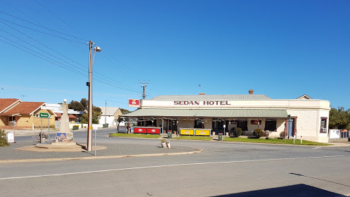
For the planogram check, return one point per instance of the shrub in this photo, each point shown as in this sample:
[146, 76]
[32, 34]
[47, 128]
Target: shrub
[283, 134]
[3, 139]
[258, 133]
[236, 132]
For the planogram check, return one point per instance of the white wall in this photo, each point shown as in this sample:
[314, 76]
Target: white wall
[110, 121]
[273, 103]
[309, 122]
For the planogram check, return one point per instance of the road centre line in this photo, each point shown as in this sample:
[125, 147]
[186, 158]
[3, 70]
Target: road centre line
[160, 166]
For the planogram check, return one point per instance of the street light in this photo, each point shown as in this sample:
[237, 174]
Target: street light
[91, 60]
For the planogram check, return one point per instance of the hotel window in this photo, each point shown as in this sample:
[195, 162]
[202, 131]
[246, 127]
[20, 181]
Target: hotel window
[12, 118]
[198, 124]
[323, 125]
[270, 124]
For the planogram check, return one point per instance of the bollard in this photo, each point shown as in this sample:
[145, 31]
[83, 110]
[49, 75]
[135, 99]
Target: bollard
[301, 139]
[220, 137]
[294, 139]
[169, 135]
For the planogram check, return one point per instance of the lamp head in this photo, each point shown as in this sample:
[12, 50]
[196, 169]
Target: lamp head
[65, 100]
[97, 49]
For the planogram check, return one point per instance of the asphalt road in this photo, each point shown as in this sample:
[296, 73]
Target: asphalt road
[223, 169]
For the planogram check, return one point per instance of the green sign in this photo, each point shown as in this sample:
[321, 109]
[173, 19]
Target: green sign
[44, 115]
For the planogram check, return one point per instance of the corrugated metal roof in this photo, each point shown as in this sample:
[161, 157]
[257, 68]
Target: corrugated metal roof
[212, 97]
[110, 111]
[225, 113]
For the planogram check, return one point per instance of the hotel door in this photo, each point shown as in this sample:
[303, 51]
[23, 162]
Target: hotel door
[291, 127]
[173, 125]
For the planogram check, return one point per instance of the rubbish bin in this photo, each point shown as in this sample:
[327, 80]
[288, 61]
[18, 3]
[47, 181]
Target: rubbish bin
[75, 127]
[170, 135]
[105, 125]
[220, 137]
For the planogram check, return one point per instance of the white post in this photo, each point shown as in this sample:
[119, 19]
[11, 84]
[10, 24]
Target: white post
[294, 138]
[48, 130]
[301, 139]
[95, 142]
[162, 125]
[41, 132]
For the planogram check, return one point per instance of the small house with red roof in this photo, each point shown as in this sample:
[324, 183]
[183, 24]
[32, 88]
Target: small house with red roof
[25, 114]
[71, 117]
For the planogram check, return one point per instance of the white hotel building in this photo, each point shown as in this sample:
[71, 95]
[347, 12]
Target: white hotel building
[308, 117]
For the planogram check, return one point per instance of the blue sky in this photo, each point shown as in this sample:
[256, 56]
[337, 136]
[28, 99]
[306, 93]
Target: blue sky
[282, 49]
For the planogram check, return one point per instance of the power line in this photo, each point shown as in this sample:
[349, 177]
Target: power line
[124, 88]
[41, 26]
[41, 31]
[39, 56]
[53, 35]
[52, 13]
[60, 65]
[110, 80]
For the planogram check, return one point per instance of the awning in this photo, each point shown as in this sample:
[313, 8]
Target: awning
[214, 113]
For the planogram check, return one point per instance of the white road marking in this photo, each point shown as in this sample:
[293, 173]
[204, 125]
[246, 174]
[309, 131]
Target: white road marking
[160, 166]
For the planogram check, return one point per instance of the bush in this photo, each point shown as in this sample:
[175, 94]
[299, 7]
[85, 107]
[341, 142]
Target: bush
[236, 132]
[3, 139]
[283, 134]
[258, 133]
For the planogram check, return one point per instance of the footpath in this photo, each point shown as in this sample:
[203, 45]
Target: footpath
[28, 132]
[12, 154]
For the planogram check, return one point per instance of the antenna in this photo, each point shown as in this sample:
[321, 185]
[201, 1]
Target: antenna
[23, 96]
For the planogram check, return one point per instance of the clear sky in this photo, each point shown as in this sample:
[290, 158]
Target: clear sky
[282, 49]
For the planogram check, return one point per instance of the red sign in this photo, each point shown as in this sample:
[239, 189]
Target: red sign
[134, 103]
[153, 131]
[140, 130]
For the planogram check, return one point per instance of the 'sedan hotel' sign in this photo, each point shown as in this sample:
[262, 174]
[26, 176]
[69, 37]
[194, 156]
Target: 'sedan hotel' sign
[201, 103]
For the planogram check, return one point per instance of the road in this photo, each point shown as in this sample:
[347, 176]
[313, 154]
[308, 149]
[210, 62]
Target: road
[223, 169]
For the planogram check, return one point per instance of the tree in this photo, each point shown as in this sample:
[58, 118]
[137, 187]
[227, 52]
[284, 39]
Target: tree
[339, 118]
[3, 139]
[76, 106]
[84, 102]
[96, 113]
[83, 106]
[124, 111]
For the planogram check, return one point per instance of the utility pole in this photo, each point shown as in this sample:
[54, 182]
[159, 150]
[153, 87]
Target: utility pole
[144, 89]
[89, 131]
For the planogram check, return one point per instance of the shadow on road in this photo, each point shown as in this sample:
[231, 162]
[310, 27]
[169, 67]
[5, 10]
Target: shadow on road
[287, 191]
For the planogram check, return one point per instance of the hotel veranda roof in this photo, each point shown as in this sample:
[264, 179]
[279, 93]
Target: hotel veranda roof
[218, 113]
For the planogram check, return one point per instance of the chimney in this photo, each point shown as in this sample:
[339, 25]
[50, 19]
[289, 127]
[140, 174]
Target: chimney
[251, 91]
[201, 93]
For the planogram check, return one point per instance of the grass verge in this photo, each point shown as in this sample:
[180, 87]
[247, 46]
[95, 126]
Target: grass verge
[275, 141]
[192, 138]
[134, 135]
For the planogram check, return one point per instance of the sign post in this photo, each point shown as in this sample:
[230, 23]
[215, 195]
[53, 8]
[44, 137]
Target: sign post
[44, 115]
